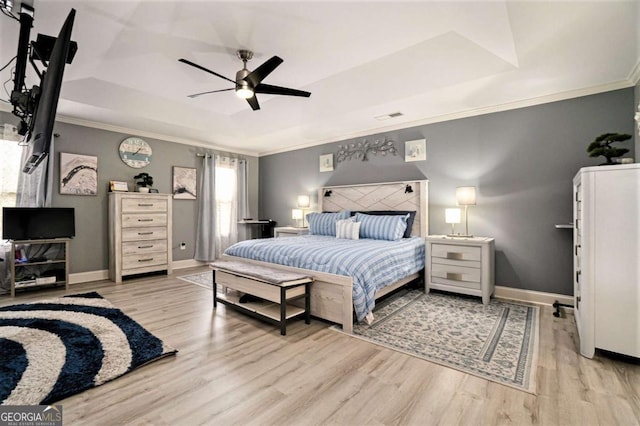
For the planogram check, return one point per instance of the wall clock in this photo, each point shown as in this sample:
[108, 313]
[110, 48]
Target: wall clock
[135, 152]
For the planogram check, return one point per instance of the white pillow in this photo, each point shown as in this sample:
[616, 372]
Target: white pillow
[348, 229]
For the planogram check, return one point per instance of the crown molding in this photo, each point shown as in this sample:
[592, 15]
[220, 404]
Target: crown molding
[622, 84]
[634, 75]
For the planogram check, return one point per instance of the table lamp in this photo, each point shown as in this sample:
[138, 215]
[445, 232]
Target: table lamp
[297, 214]
[452, 216]
[466, 196]
[304, 203]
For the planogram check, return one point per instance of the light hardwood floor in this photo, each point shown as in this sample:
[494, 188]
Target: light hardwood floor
[233, 369]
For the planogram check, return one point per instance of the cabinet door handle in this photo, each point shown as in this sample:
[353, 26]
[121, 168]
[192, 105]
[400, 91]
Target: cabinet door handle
[145, 233]
[143, 247]
[577, 246]
[578, 273]
[145, 220]
[146, 260]
[145, 205]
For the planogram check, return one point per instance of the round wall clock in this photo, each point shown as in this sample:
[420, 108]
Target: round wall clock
[135, 152]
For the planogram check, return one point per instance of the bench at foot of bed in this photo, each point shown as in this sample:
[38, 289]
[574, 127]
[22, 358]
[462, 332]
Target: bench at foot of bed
[273, 288]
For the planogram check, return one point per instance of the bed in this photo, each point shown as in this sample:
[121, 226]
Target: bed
[342, 288]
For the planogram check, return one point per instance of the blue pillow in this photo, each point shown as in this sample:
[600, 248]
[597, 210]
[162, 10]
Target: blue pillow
[382, 227]
[325, 223]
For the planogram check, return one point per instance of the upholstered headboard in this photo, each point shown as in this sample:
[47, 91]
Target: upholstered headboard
[409, 195]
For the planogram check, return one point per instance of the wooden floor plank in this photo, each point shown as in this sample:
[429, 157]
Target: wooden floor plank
[233, 369]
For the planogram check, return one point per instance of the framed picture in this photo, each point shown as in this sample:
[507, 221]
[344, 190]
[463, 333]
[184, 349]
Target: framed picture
[118, 186]
[415, 150]
[78, 174]
[184, 183]
[326, 163]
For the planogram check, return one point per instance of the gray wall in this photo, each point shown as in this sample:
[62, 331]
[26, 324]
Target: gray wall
[637, 109]
[521, 161]
[89, 249]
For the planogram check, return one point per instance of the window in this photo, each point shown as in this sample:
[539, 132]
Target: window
[225, 182]
[10, 156]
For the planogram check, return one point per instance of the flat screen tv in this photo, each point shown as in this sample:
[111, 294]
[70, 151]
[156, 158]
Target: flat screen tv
[34, 223]
[45, 114]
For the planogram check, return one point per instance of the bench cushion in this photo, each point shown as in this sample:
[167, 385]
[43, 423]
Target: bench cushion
[262, 273]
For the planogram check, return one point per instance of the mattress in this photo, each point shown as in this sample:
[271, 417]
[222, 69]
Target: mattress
[372, 264]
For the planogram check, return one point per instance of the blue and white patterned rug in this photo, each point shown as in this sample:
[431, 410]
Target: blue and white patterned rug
[498, 342]
[55, 348]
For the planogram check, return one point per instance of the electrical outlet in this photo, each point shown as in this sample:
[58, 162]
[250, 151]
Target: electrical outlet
[183, 246]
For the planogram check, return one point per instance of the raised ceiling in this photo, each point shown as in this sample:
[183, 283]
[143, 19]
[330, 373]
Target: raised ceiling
[428, 60]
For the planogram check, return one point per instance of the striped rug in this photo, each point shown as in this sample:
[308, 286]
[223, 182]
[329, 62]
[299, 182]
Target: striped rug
[55, 348]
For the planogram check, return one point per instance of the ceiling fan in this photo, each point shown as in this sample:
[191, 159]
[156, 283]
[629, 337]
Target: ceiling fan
[249, 83]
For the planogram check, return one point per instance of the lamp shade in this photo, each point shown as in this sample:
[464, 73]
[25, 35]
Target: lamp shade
[466, 195]
[296, 214]
[304, 201]
[452, 215]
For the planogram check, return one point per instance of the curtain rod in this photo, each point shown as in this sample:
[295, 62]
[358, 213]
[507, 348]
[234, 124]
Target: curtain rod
[200, 155]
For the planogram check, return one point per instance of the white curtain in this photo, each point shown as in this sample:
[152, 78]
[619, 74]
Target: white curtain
[36, 189]
[244, 211]
[226, 196]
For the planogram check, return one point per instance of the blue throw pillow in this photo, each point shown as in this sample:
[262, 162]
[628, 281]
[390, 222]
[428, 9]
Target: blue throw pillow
[382, 227]
[325, 223]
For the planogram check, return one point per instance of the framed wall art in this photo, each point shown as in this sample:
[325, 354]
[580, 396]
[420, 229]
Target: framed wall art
[415, 150]
[184, 183]
[326, 163]
[78, 174]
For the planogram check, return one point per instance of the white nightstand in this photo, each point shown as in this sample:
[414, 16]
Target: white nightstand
[461, 265]
[289, 231]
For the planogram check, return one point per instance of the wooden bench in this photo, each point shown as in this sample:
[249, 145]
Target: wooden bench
[274, 287]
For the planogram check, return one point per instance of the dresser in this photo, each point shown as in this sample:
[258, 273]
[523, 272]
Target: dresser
[606, 278]
[139, 234]
[461, 265]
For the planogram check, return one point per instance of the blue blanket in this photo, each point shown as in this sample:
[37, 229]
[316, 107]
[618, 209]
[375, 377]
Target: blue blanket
[373, 264]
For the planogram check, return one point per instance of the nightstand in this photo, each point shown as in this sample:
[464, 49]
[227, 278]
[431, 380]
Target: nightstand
[289, 231]
[461, 265]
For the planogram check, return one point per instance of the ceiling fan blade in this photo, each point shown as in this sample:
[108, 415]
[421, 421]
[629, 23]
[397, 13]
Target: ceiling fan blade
[256, 76]
[185, 61]
[195, 95]
[253, 101]
[277, 90]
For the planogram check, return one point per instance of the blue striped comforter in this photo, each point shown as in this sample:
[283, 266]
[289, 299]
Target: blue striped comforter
[373, 264]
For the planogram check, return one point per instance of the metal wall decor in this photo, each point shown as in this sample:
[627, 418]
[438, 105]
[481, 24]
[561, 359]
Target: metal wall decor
[360, 150]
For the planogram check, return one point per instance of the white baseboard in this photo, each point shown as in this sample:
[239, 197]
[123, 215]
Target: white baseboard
[85, 277]
[531, 296]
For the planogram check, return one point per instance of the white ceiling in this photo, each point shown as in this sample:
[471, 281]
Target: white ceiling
[360, 59]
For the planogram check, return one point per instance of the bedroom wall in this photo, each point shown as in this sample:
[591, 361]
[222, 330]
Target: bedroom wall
[521, 161]
[636, 104]
[89, 249]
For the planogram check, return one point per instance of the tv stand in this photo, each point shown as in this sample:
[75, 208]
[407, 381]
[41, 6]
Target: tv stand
[41, 265]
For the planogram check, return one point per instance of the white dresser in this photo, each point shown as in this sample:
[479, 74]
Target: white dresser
[606, 212]
[461, 265]
[139, 234]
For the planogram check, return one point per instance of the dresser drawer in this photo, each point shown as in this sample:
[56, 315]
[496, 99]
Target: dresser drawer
[141, 247]
[143, 260]
[141, 206]
[144, 234]
[453, 274]
[149, 219]
[454, 252]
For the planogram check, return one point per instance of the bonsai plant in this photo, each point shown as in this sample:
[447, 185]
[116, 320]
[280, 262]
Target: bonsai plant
[602, 146]
[144, 180]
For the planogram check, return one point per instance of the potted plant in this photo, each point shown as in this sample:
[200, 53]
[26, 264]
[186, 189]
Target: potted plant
[143, 181]
[602, 146]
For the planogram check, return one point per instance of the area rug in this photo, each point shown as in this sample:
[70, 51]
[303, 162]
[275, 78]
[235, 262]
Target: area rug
[497, 342]
[203, 279]
[55, 348]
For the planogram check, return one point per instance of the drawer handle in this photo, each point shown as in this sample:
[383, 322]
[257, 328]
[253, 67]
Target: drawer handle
[455, 255]
[145, 205]
[145, 260]
[145, 220]
[143, 247]
[145, 233]
[454, 276]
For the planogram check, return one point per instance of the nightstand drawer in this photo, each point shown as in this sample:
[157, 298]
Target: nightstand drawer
[455, 273]
[456, 252]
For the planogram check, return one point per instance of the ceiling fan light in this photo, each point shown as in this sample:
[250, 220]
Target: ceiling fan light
[244, 92]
